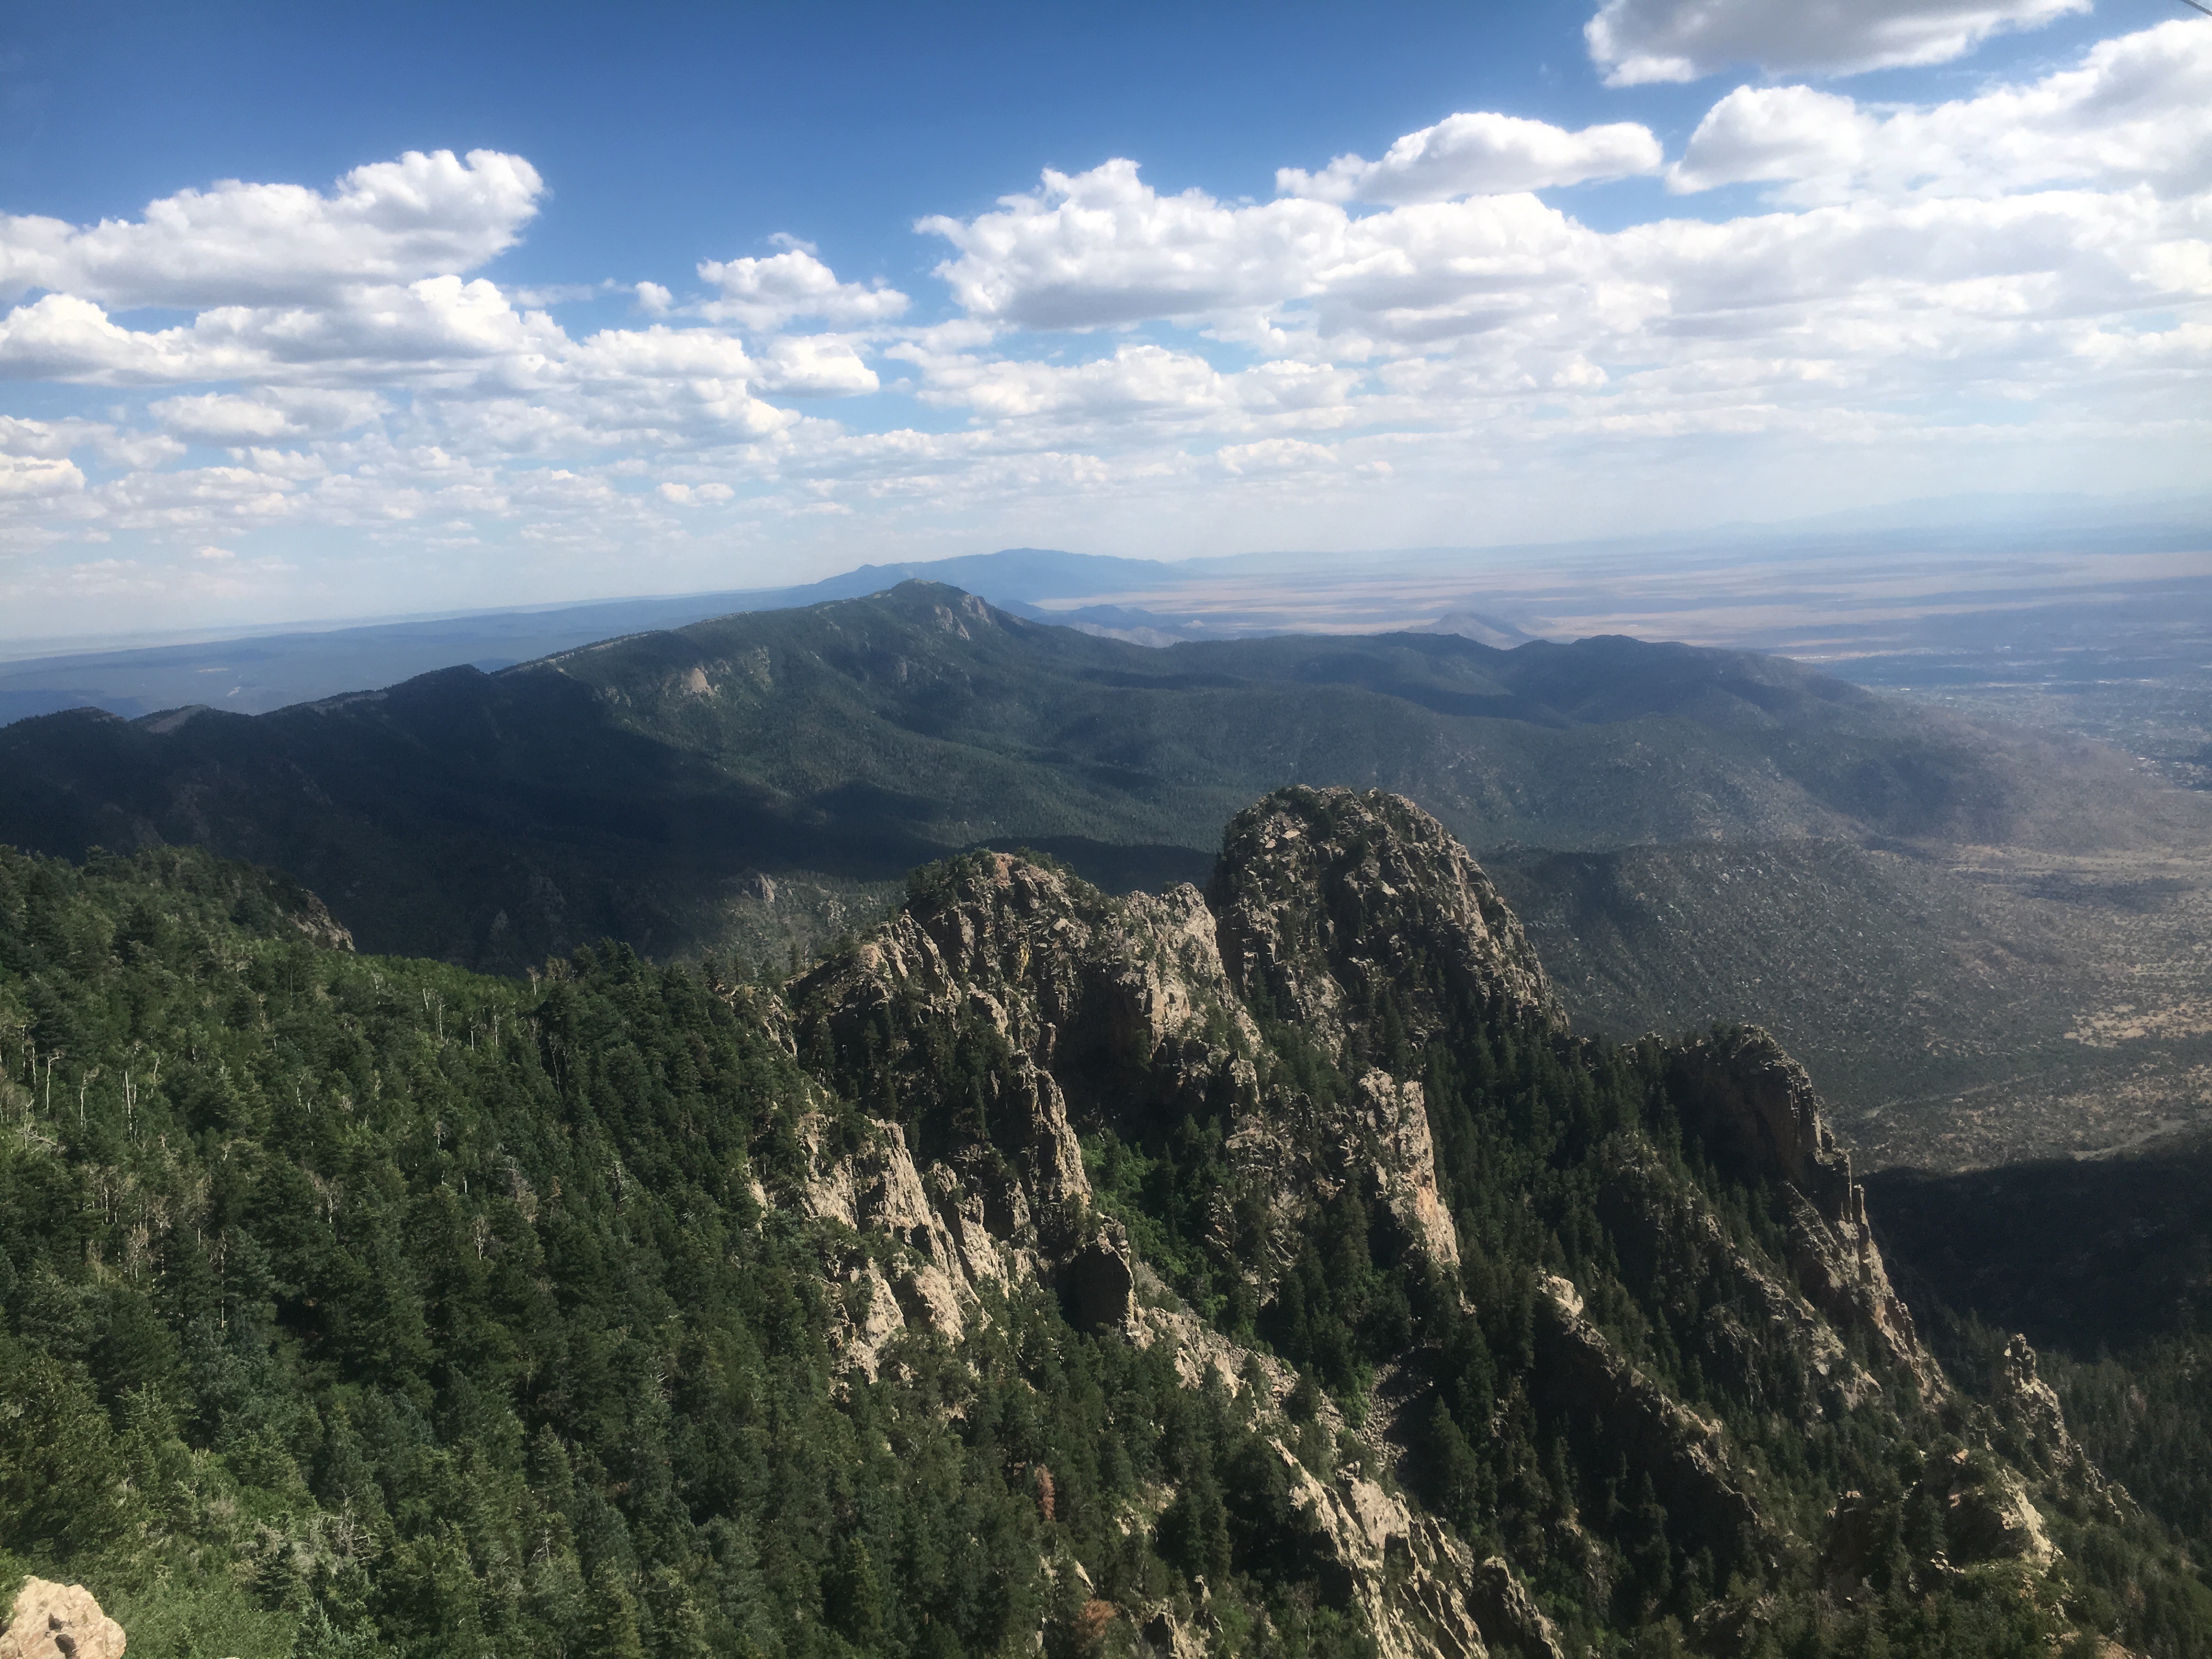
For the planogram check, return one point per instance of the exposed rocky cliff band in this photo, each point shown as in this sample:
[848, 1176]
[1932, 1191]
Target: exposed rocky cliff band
[1755, 1109]
[1357, 924]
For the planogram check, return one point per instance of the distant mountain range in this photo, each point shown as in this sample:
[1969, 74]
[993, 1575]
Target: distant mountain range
[255, 672]
[1883, 588]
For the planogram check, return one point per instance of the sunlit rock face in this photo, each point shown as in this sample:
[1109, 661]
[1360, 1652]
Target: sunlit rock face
[1010, 1013]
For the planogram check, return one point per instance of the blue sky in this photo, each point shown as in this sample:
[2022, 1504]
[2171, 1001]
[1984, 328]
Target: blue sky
[662, 318]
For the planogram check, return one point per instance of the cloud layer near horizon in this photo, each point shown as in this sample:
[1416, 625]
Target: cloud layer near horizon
[1390, 341]
[1640, 42]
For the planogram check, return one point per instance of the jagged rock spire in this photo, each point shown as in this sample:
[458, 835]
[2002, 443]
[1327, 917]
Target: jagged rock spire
[1326, 900]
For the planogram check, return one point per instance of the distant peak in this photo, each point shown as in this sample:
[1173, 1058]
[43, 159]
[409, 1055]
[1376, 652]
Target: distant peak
[1482, 629]
[173, 720]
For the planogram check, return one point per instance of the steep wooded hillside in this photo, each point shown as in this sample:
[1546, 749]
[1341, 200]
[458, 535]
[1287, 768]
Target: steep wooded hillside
[1267, 1268]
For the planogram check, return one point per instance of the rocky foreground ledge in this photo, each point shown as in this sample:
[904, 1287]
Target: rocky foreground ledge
[59, 1621]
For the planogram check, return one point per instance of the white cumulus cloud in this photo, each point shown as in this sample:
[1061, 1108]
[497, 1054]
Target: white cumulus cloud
[248, 244]
[1095, 249]
[1102, 248]
[813, 365]
[2138, 110]
[220, 417]
[705, 495]
[30, 477]
[62, 338]
[766, 294]
[1136, 381]
[439, 325]
[1482, 153]
[1640, 41]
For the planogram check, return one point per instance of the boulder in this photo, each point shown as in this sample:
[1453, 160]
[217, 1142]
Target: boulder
[59, 1621]
[1508, 1617]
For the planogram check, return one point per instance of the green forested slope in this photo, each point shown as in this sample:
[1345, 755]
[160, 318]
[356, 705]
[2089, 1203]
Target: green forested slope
[2107, 1266]
[371, 1302]
[352, 1306]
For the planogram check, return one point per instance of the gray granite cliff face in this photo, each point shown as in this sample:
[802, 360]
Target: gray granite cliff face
[1009, 1011]
[1326, 897]
[1755, 1109]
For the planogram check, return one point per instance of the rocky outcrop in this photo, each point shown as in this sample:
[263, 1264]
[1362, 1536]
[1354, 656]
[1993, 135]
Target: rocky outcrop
[317, 925]
[1406, 1574]
[940, 1253]
[1122, 1004]
[1986, 1513]
[1376, 1143]
[1753, 1106]
[2032, 1428]
[1422, 1590]
[1095, 1010]
[1755, 1109]
[1086, 1009]
[1397, 1156]
[1327, 900]
[59, 1621]
[1008, 1009]
[1508, 1615]
[1409, 1578]
[1101, 1284]
[1758, 1336]
[1982, 1509]
[1167, 1637]
[1068, 1004]
[1685, 1455]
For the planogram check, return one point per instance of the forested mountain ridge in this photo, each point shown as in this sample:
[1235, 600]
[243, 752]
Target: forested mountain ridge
[626, 788]
[1264, 1269]
[754, 784]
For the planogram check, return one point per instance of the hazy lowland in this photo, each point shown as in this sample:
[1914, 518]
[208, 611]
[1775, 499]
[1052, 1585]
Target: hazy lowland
[876, 1123]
